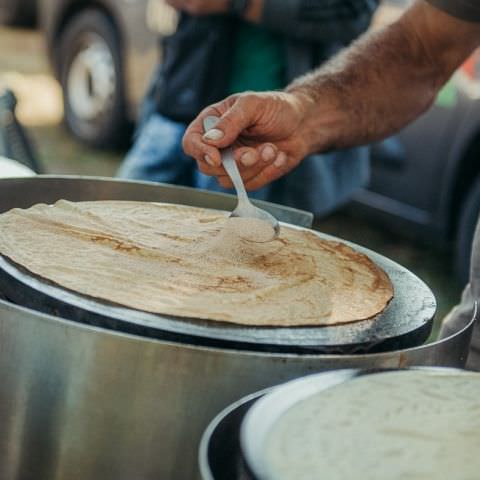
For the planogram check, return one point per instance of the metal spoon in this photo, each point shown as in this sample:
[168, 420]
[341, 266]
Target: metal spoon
[244, 208]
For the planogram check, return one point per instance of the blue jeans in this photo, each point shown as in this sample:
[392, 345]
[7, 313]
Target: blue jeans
[157, 154]
[319, 184]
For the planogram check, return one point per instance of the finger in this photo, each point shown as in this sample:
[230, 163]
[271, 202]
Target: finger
[194, 146]
[224, 181]
[267, 152]
[238, 117]
[210, 171]
[281, 161]
[193, 142]
[271, 172]
[248, 173]
[246, 156]
[203, 152]
[249, 160]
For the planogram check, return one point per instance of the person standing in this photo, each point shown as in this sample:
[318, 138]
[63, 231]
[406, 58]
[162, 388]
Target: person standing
[358, 97]
[223, 47]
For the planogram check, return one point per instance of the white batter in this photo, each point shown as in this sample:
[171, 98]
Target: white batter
[389, 426]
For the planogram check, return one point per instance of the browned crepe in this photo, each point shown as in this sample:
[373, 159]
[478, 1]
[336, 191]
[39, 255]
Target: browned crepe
[188, 262]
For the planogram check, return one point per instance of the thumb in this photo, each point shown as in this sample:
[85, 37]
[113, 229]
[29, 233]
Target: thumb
[229, 126]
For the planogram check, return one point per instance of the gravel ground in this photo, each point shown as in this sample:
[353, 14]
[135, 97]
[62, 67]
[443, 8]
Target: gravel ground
[24, 68]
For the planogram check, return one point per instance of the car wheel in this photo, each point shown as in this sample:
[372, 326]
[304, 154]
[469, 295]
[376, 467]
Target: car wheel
[89, 61]
[465, 231]
[17, 12]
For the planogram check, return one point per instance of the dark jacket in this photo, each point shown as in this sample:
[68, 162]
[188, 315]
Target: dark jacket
[315, 29]
[196, 58]
[195, 70]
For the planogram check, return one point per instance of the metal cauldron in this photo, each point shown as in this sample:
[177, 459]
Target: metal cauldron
[231, 447]
[78, 401]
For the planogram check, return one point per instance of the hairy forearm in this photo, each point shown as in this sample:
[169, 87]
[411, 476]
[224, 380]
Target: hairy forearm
[385, 80]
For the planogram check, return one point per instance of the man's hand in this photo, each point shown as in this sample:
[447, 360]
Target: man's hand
[200, 7]
[265, 129]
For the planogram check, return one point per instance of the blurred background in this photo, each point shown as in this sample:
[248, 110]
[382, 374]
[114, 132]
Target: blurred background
[79, 68]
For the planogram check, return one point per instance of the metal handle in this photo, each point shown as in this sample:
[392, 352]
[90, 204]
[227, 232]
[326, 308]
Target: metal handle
[232, 169]
[228, 162]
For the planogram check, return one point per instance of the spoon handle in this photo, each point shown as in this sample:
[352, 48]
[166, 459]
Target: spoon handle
[229, 163]
[232, 169]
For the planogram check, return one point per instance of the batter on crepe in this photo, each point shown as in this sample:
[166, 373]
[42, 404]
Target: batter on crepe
[188, 262]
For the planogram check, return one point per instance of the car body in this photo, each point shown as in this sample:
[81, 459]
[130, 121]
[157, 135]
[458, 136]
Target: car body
[428, 185]
[103, 53]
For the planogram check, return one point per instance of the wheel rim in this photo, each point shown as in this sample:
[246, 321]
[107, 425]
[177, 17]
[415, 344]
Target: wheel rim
[91, 79]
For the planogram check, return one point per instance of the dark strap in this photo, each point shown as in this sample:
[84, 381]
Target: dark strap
[14, 141]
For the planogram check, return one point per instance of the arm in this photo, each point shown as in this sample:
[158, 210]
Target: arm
[318, 21]
[369, 91]
[386, 80]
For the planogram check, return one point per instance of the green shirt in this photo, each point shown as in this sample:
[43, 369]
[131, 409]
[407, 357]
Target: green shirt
[259, 61]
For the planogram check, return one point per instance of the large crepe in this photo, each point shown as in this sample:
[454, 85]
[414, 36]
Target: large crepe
[187, 262]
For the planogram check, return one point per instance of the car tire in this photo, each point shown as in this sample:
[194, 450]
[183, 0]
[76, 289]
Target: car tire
[469, 215]
[17, 12]
[90, 67]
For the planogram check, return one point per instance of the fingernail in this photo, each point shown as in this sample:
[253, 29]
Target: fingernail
[214, 134]
[209, 160]
[248, 159]
[281, 160]
[268, 153]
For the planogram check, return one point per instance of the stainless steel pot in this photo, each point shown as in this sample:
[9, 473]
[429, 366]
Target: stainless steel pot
[404, 323]
[231, 447]
[80, 402]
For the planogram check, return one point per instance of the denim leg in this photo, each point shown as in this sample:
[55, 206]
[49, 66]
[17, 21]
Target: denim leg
[157, 153]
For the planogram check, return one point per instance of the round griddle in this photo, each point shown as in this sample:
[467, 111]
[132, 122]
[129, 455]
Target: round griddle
[406, 322]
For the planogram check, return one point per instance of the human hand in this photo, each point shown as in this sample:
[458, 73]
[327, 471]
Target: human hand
[265, 129]
[200, 7]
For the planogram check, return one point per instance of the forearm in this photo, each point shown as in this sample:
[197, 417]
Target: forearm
[384, 80]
